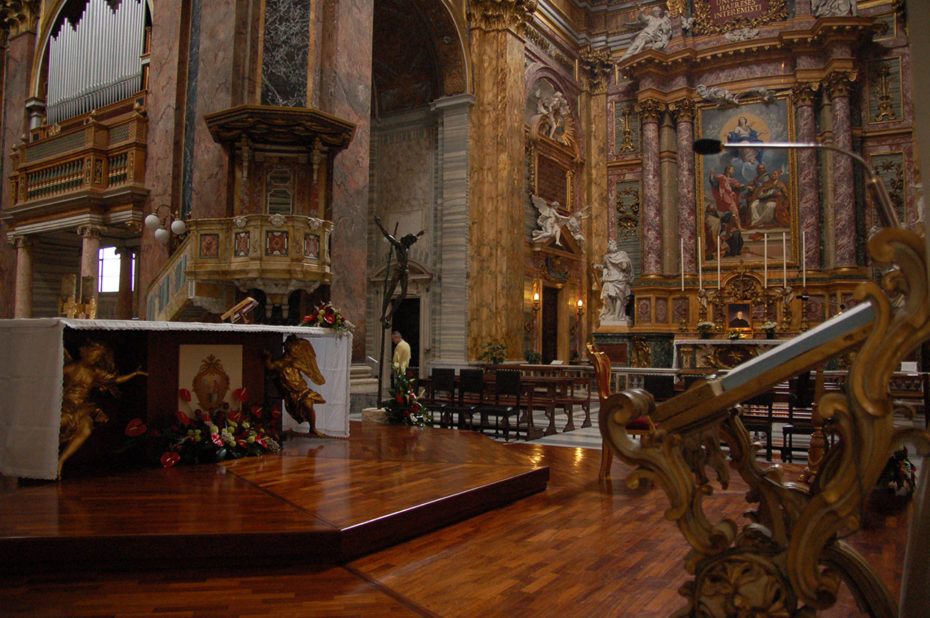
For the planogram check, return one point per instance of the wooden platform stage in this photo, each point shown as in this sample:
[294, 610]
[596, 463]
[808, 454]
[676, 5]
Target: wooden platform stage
[318, 502]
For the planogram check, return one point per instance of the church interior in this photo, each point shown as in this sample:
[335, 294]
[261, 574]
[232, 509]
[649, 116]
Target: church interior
[675, 223]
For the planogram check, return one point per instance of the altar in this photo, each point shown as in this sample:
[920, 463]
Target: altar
[32, 352]
[717, 354]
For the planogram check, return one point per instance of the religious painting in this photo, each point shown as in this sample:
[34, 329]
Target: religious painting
[276, 244]
[747, 194]
[209, 245]
[890, 30]
[208, 377]
[890, 167]
[739, 316]
[241, 244]
[312, 246]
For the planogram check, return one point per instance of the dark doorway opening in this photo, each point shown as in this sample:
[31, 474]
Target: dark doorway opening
[550, 324]
[407, 321]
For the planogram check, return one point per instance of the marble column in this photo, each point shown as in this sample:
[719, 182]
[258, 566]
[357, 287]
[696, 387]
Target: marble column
[844, 200]
[345, 91]
[124, 302]
[683, 110]
[808, 182]
[497, 179]
[650, 111]
[597, 70]
[449, 343]
[22, 307]
[90, 252]
[18, 20]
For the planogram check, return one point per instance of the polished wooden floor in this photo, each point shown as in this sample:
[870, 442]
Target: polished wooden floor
[579, 548]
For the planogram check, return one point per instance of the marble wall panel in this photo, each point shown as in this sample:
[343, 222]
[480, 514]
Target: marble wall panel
[284, 59]
[643, 311]
[661, 310]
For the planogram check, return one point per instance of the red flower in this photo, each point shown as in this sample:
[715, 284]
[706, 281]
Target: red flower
[169, 458]
[235, 416]
[329, 310]
[260, 440]
[217, 440]
[185, 395]
[275, 413]
[135, 428]
[242, 443]
[329, 318]
[313, 316]
[399, 398]
[241, 394]
[307, 318]
[183, 418]
[257, 411]
[204, 416]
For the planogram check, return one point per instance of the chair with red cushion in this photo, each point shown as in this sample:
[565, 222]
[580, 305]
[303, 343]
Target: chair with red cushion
[637, 427]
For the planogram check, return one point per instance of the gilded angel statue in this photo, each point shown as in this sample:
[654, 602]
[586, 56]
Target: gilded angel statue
[299, 359]
[94, 370]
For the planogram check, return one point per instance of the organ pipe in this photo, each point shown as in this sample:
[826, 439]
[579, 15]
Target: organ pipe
[96, 61]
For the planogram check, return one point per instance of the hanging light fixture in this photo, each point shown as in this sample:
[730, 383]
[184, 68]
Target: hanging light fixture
[158, 223]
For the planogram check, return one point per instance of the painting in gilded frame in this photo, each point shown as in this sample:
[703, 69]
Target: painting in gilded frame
[739, 316]
[747, 196]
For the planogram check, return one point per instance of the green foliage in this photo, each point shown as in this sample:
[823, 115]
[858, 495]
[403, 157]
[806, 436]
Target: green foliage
[898, 474]
[404, 407]
[533, 357]
[494, 352]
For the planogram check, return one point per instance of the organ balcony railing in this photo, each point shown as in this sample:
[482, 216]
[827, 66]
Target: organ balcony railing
[94, 163]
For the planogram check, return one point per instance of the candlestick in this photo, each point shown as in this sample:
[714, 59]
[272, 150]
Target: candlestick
[784, 260]
[682, 255]
[804, 260]
[700, 256]
[765, 260]
[718, 261]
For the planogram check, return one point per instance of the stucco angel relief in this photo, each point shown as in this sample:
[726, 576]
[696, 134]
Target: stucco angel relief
[551, 222]
[552, 117]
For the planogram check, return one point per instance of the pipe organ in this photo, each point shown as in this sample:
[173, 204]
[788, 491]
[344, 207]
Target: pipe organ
[97, 60]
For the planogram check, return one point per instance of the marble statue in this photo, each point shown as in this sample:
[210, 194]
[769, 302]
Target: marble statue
[656, 33]
[555, 109]
[742, 34]
[616, 274]
[833, 8]
[716, 94]
[574, 225]
[550, 222]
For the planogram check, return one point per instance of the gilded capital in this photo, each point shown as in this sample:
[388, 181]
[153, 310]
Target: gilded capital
[650, 110]
[90, 231]
[500, 14]
[840, 83]
[596, 69]
[18, 16]
[804, 93]
[682, 110]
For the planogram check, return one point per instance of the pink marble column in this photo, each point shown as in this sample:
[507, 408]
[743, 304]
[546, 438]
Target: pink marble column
[124, 303]
[844, 205]
[23, 296]
[808, 182]
[650, 111]
[684, 116]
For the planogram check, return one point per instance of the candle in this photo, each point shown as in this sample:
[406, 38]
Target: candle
[718, 261]
[784, 259]
[682, 253]
[700, 256]
[765, 260]
[803, 260]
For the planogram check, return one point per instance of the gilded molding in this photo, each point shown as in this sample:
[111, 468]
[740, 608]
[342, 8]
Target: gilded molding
[493, 15]
[597, 69]
[650, 110]
[704, 22]
[18, 16]
[682, 109]
[804, 94]
[840, 83]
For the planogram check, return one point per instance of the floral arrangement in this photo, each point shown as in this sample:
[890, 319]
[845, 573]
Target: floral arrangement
[404, 407]
[201, 437]
[704, 327]
[769, 326]
[734, 334]
[899, 474]
[327, 316]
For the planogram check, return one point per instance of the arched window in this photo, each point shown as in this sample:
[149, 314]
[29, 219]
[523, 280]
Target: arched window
[94, 56]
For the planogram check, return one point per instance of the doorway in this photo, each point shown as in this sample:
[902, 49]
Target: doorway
[550, 324]
[407, 321]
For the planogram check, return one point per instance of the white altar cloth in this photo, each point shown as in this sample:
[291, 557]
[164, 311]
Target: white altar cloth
[31, 360]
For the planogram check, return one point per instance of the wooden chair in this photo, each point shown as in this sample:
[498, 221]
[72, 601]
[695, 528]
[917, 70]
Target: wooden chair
[441, 395]
[507, 393]
[757, 418]
[470, 398]
[636, 427]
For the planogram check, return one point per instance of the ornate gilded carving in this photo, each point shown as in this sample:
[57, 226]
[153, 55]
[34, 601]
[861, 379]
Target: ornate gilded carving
[708, 20]
[640, 353]
[627, 200]
[18, 16]
[791, 560]
[682, 110]
[596, 68]
[627, 130]
[840, 83]
[804, 93]
[650, 110]
[501, 14]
